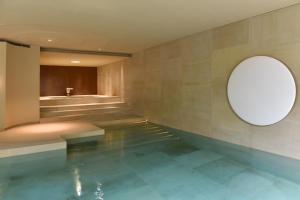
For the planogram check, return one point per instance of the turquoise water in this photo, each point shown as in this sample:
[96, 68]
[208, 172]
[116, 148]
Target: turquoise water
[138, 162]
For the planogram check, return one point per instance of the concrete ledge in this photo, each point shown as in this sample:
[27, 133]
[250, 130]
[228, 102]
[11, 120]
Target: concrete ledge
[19, 151]
[84, 134]
[45, 137]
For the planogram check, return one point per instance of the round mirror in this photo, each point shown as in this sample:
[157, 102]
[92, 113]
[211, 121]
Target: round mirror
[261, 90]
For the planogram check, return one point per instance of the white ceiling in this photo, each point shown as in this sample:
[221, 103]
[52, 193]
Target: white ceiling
[65, 59]
[120, 25]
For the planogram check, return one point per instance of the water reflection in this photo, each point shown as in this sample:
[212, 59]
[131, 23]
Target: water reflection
[99, 194]
[77, 181]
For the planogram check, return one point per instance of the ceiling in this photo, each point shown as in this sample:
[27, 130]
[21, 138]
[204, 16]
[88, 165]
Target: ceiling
[120, 25]
[68, 59]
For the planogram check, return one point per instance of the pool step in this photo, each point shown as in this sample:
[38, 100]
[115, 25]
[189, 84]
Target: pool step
[79, 100]
[135, 144]
[80, 106]
[128, 140]
[99, 119]
[82, 109]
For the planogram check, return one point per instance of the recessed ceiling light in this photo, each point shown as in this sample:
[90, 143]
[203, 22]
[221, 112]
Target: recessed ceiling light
[99, 49]
[75, 61]
[50, 40]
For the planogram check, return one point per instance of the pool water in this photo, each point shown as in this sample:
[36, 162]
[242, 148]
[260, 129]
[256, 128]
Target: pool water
[139, 162]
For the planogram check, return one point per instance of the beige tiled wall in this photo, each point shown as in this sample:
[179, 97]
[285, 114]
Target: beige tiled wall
[109, 80]
[183, 83]
[22, 85]
[3, 47]
[19, 85]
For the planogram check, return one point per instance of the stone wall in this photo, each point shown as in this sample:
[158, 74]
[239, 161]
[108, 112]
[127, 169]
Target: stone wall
[19, 85]
[110, 80]
[182, 84]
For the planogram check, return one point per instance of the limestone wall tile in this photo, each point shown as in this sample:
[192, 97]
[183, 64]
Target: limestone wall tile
[231, 35]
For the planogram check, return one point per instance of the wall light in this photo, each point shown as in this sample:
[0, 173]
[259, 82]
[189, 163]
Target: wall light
[50, 40]
[75, 61]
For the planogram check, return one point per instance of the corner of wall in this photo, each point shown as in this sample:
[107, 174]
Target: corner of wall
[3, 47]
[22, 85]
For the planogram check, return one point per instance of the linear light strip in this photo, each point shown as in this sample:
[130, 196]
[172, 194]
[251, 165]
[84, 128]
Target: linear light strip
[73, 51]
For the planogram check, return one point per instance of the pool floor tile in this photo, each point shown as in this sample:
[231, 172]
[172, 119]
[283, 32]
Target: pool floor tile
[179, 148]
[149, 162]
[182, 192]
[29, 189]
[140, 193]
[197, 158]
[124, 182]
[244, 182]
[289, 189]
[273, 193]
[222, 170]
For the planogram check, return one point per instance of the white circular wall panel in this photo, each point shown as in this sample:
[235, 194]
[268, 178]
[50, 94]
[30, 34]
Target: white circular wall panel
[261, 90]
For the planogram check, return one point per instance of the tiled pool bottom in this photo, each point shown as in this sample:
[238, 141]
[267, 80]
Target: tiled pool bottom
[141, 162]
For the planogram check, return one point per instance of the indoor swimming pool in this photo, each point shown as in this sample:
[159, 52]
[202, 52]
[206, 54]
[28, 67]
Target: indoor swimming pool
[143, 162]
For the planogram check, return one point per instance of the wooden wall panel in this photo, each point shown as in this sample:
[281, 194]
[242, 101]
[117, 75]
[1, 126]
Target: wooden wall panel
[55, 80]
